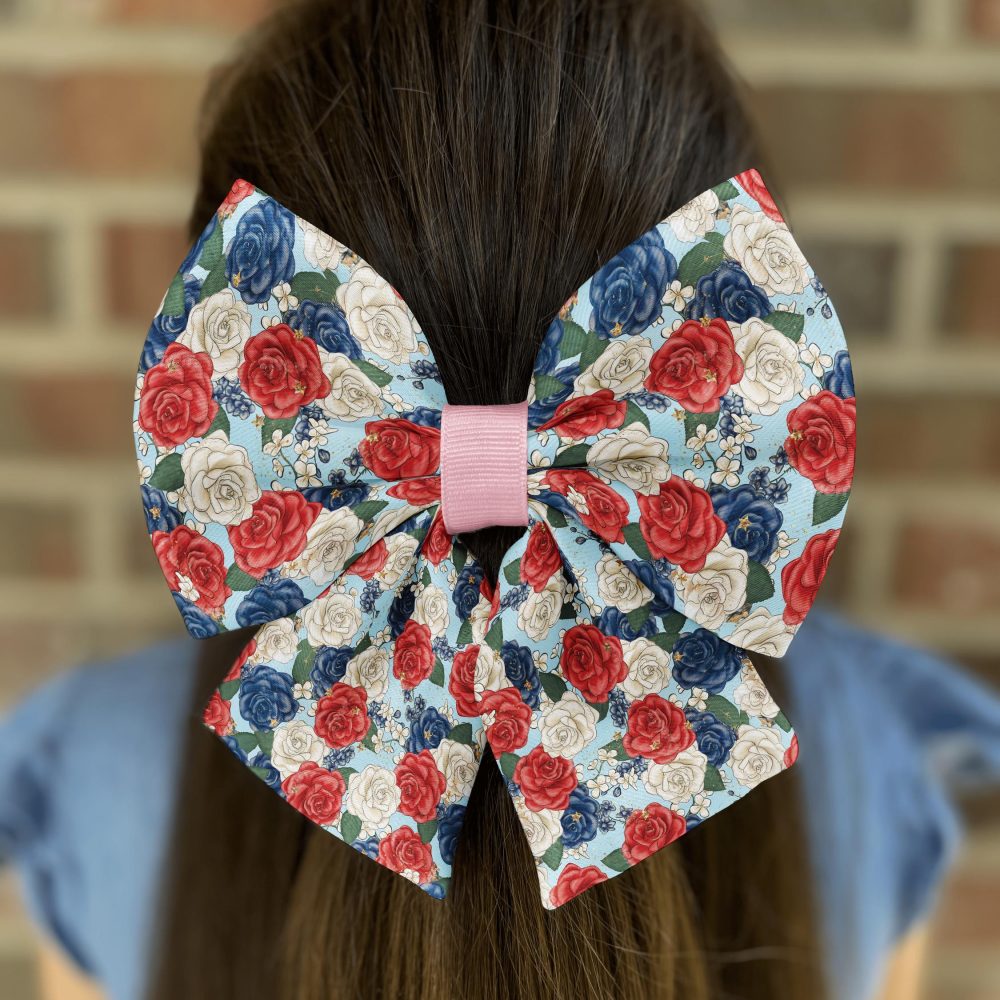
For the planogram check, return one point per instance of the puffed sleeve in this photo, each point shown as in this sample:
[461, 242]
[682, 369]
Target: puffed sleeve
[32, 793]
[88, 777]
[889, 736]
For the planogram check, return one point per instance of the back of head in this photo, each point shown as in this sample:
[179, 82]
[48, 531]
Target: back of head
[486, 158]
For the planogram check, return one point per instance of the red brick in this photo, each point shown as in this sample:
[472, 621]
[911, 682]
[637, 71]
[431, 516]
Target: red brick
[972, 305]
[984, 19]
[235, 15]
[140, 260]
[26, 265]
[859, 277]
[40, 541]
[140, 562]
[122, 123]
[27, 111]
[926, 435]
[949, 566]
[101, 123]
[915, 140]
[67, 415]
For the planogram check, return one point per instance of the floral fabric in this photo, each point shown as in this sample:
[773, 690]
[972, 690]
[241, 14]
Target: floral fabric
[690, 451]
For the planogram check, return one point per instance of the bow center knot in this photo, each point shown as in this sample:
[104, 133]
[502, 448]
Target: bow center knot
[484, 466]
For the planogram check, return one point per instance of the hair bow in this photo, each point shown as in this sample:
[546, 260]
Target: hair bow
[682, 466]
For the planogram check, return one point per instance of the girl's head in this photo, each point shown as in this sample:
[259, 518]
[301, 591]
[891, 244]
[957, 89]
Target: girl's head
[485, 157]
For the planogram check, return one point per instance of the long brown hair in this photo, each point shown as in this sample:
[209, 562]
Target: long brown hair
[485, 157]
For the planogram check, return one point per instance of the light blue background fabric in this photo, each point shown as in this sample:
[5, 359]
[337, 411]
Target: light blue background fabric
[888, 735]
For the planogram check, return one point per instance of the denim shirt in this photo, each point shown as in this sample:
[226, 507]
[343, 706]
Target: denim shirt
[887, 735]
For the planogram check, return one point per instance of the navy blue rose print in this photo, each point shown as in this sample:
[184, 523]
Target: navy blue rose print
[626, 293]
[751, 520]
[266, 697]
[329, 667]
[466, 593]
[579, 819]
[326, 323]
[260, 255]
[519, 665]
[728, 293]
[715, 739]
[427, 730]
[165, 329]
[548, 351]
[449, 826]
[198, 624]
[160, 515]
[840, 378]
[269, 601]
[702, 660]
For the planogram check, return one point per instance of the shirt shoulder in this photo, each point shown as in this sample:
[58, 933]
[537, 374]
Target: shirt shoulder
[888, 734]
[90, 762]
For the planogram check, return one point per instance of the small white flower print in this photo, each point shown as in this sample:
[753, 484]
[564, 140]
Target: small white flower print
[727, 472]
[677, 297]
[702, 437]
[283, 293]
[813, 358]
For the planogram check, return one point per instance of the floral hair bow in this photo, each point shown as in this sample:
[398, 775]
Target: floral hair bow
[682, 465]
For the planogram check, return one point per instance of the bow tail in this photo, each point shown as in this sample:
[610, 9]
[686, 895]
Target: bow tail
[642, 723]
[345, 710]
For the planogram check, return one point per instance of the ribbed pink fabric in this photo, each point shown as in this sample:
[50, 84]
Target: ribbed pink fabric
[484, 466]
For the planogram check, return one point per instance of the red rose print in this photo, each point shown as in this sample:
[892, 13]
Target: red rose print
[680, 524]
[217, 715]
[586, 415]
[607, 512]
[753, 184]
[541, 559]
[275, 531]
[315, 792]
[281, 371]
[545, 781]
[419, 492]
[792, 753]
[696, 366]
[371, 562]
[512, 720]
[437, 542]
[404, 851]
[240, 190]
[461, 682]
[573, 880]
[176, 403]
[185, 552]
[421, 785]
[592, 662]
[342, 716]
[800, 579]
[657, 729]
[650, 828]
[821, 441]
[237, 668]
[413, 658]
[399, 449]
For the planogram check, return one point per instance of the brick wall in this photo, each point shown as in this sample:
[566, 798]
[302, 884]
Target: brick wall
[883, 120]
